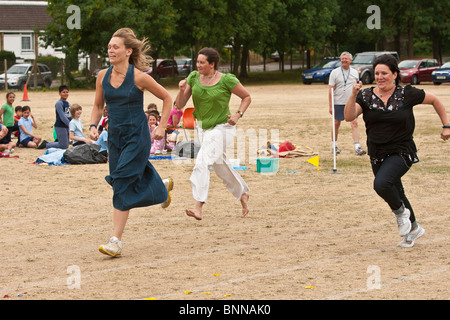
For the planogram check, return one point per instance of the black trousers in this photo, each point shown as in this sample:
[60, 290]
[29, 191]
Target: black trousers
[388, 184]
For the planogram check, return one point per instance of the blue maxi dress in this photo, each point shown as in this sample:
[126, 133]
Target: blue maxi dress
[135, 181]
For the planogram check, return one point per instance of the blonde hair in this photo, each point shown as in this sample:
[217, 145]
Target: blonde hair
[73, 108]
[139, 57]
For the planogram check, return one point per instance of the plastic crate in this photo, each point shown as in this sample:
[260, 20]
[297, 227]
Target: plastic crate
[267, 165]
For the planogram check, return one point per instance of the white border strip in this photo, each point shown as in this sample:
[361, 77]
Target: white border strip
[24, 3]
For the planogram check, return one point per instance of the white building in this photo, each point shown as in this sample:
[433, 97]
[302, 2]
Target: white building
[18, 20]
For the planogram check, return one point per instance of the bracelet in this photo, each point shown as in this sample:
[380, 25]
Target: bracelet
[241, 113]
[93, 125]
[445, 127]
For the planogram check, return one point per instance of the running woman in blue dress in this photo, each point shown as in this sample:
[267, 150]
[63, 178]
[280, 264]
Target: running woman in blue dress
[134, 180]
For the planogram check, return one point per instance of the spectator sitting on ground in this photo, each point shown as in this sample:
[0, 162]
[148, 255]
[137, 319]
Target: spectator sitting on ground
[26, 125]
[5, 146]
[76, 126]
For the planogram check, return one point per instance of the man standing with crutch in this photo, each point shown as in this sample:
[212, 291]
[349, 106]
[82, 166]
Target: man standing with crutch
[340, 85]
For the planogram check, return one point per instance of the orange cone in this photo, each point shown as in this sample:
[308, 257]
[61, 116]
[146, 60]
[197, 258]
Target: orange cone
[25, 93]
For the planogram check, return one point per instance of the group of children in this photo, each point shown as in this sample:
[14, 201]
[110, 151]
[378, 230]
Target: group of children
[18, 122]
[168, 142]
[69, 127]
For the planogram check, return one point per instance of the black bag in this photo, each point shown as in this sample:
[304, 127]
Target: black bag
[187, 149]
[84, 154]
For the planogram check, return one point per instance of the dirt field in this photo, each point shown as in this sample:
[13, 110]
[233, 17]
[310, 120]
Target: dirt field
[309, 235]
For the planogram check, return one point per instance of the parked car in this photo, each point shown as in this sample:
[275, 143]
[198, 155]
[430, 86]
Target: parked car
[321, 71]
[363, 63]
[442, 74]
[417, 70]
[164, 68]
[184, 66]
[19, 73]
[275, 56]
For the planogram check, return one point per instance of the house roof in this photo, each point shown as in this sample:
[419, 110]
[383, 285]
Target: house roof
[23, 15]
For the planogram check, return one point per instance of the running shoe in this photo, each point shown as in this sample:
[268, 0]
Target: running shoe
[409, 239]
[403, 222]
[359, 151]
[169, 186]
[113, 248]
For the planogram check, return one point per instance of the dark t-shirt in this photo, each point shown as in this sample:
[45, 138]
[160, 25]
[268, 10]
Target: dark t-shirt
[390, 127]
[63, 117]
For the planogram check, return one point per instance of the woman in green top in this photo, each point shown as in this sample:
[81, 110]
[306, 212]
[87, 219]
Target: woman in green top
[211, 92]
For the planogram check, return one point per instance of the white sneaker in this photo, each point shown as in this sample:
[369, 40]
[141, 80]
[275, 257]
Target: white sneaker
[409, 239]
[403, 222]
[113, 248]
[169, 186]
[336, 149]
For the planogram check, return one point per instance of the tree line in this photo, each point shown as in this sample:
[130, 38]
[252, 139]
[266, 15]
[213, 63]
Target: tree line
[261, 26]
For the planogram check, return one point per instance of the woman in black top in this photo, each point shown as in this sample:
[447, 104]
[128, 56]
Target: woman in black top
[387, 111]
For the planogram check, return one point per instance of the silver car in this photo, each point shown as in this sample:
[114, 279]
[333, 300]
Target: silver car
[19, 73]
[184, 66]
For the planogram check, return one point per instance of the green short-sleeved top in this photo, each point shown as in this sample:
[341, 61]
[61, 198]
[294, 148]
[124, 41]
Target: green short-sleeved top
[8, 115]
[211, 103]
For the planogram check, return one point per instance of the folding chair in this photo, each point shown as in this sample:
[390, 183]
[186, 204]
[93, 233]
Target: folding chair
[189, 122]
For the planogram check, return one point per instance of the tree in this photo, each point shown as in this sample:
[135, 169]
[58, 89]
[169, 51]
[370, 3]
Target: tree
[99, 19]
[200, 24]
[248, 25]
[434, 22]
[414, 19]
[157, 20]
[351, 32]
[300, 22]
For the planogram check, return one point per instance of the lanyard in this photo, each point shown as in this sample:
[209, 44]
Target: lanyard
[343, 75]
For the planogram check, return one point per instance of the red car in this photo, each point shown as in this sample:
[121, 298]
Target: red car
[164, 68]
[417, 70]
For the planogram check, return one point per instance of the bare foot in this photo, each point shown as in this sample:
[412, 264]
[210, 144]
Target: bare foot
[194, 213]
[244, 202]
[197, 212]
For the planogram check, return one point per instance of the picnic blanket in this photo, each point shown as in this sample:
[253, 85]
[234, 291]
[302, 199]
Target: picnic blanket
[286, 150]
[52, 156]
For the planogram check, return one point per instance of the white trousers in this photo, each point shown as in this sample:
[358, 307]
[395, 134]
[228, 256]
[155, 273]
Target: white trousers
[212, 152]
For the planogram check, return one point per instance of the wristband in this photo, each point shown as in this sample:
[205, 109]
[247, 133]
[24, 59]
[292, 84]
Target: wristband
[445, 127]
[92, 125]
[241, 113]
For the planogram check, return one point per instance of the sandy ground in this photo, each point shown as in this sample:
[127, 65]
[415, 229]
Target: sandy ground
[310, 234]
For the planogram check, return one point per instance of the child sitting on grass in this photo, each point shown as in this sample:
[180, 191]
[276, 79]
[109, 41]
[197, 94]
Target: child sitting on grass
[26, 125]
[157, 145]
[76, 126]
